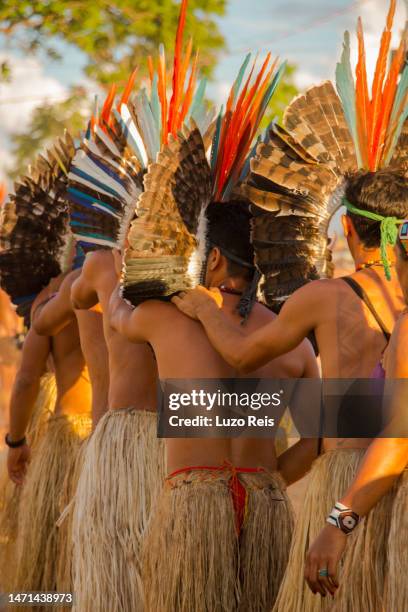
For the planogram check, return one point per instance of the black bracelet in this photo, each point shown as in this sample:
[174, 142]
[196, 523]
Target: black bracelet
[15, 444]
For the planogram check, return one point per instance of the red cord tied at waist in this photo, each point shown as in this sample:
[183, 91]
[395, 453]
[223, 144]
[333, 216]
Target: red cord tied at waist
[239, 494]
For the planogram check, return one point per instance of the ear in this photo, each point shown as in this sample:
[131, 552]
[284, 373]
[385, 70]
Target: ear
[214, 259]
[347, 225]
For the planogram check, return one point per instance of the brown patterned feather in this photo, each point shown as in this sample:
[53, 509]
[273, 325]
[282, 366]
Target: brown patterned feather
[34, 227]
[163, 255]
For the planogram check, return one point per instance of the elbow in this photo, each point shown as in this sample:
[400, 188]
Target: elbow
[40, 327]
[25, 382]
[241, 360]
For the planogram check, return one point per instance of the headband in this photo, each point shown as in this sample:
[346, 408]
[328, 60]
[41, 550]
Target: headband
[388, 228]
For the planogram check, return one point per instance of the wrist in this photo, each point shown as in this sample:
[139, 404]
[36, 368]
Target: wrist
[15, 442]
[343, 518]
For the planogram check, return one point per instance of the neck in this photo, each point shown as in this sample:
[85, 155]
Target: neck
[236, 285]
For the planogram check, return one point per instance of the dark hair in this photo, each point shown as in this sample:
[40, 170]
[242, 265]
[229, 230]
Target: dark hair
[384, 192]
[229, 229]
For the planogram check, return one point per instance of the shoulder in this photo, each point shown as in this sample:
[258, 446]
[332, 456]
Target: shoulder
[96, 258]
[400, 333]
[156, 308]
[97, 262]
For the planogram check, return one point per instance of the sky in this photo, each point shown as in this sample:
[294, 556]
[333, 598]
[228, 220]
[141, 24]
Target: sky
[308, 33]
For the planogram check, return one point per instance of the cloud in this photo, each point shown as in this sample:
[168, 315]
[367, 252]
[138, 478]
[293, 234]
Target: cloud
[28, 88]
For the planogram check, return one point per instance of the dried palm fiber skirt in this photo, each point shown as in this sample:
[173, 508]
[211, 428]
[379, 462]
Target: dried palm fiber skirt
[363, 568]
[219, 541]
[396, 592]
[39, 540]
[122, 474]
[10, 493]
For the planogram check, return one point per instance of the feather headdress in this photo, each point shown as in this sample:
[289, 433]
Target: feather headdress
[35, 239]
[167, 242]
[297, 176]
[106, 178]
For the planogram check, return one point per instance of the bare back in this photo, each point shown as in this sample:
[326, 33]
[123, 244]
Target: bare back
[183, 351]
[350, 339]
[132, 367]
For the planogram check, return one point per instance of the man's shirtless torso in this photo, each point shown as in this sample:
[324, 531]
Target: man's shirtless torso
[183, 351]
[132, 369]
[74, 394]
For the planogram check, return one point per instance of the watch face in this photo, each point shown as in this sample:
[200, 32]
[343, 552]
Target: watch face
[348, 520]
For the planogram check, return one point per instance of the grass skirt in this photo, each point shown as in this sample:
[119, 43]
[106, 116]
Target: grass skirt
[363, 569]
[396, 597]
[194, 559]
[38, 539]
[10, 493]
[122, 474]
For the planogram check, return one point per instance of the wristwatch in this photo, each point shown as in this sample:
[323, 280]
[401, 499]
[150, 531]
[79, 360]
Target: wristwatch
[344, 518]
[16, 444]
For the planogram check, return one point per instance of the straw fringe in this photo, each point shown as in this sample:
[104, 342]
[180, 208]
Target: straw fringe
[330, 476]
[10, 493]
[64, 568]
[265, 541]
[190, 555]
[205, 566]
[396, 592]
[37, 540]
[122, 473]
[364, 564]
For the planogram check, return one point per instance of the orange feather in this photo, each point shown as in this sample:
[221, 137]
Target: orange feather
[188, 95]
[379, 75]
[162, 87]
[150, 68]
[177, 66]
[362, 98]
[3, 193]
[128, 89]
[390, 90]
[107, 107]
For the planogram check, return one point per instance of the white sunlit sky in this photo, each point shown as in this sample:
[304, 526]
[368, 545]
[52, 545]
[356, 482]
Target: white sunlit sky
[308, 33]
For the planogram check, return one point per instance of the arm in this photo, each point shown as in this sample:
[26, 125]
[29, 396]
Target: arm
[24, 394]
[295, 462]
[83, 292]
[50, 317]
[247, 352]
[132, 323]
[384, 461]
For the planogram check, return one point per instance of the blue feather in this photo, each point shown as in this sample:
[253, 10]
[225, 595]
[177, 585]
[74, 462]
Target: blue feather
[346, 91]
[148, 129]
[238, 80]
[197, 104]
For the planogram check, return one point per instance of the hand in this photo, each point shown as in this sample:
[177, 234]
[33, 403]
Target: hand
[17, 463]
[190, 302]
[325, 553]
[118, 261]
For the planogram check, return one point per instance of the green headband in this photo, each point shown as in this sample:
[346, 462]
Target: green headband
[388, 228]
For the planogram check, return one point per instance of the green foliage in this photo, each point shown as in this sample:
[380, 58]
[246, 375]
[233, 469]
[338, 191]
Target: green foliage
[47, 124]
[284, 94]
[5, 72]
[115, 36]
